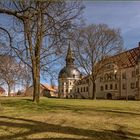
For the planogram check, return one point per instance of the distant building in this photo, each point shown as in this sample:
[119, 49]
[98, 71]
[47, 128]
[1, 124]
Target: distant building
[119, 78]
[2, 91]
[67, 76]
[45, 90]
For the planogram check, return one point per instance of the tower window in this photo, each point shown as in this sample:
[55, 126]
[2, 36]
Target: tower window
[106, 87]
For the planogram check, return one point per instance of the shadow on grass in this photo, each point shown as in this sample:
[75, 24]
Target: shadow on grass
[30, 100]
[37, 127]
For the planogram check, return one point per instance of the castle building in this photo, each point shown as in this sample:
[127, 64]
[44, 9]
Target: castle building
[119, 78]
[67, 76]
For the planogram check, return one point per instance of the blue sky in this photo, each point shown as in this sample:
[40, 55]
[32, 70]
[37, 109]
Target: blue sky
[118, 14]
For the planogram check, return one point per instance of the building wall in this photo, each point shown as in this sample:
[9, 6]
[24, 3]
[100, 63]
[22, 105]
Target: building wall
[66, 86]
[111, 84]
[119, 78]
[126, 80]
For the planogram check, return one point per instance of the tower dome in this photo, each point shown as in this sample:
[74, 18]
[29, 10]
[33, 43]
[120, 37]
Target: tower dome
[69, 71]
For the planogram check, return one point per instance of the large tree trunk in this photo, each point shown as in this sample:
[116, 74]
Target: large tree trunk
[36, 81]
[9, 90]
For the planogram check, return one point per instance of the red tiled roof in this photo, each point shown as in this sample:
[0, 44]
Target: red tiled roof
[127, 58]
[1, 89]
[123, 60]
[49, 87]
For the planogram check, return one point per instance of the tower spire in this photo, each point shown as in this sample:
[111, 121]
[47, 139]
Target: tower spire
[69, 57]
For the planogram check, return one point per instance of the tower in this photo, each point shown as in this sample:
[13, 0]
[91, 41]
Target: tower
[69, 58]
[67, 76]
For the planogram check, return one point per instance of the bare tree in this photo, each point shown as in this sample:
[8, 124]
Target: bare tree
[40, 28]
[9, 71]
[25, 76]
[92, 45]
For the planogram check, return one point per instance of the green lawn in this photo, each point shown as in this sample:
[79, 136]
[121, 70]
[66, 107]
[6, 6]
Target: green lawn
[68, 119]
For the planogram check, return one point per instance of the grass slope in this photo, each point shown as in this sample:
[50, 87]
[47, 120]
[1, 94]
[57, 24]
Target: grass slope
[69, 119]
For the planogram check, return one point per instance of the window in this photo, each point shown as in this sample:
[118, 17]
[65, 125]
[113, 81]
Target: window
[84, 89]
[81, 89]
[123, 86]
[62, 90]
[116, 86]
[137, 71]
[115, 76]
[73, 75]
[102, 88]
[137, 84]
[132, 85]
[124, 75]
[111, 86]
[87, 89]
[66, 90]
[78, 90]
[133, 73]
[106, 87]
